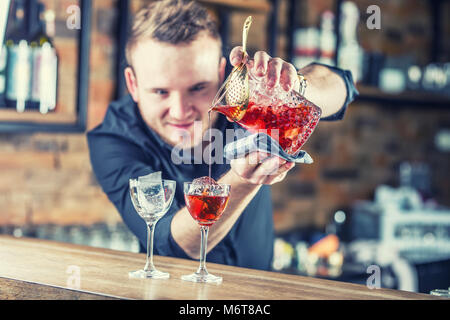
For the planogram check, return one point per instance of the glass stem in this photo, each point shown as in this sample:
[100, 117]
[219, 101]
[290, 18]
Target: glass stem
[202, 268]
[150, 234]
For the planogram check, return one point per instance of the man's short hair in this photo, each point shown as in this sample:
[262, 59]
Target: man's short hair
[170, 21]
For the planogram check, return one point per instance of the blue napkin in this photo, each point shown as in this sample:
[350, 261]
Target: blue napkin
[262, 142]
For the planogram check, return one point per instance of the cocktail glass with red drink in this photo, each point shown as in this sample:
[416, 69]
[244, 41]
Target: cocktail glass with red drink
[205, 202]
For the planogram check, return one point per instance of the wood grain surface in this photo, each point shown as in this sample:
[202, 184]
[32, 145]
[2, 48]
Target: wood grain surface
[42, 269]
[21, 290]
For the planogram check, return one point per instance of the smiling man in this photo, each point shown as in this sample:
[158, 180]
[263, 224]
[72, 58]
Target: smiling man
[175, 69]
[177, 88]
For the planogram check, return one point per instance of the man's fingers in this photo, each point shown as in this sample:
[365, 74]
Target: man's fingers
[278, 178]
[273, 72]
[277, 71]
[246, 166]
[261, 61]
[288, 77]
[236, 56]
[269, 167]
[261, 168]
[256, 157]
[279, 174]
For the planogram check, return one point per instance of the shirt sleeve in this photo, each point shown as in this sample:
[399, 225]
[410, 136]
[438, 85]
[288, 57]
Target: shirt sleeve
[352, 92]
[114, 161]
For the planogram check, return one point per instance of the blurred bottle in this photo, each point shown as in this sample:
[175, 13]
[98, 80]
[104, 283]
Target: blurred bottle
[3, 51]
[327, 39]
[350, 53]
[18, 70]
[35, 49]
[19, 76]
[3, 58]
[45, 63]
[306, 46]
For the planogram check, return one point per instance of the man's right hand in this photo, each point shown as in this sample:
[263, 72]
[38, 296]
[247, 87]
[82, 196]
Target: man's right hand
[261, 168]
[246, 177]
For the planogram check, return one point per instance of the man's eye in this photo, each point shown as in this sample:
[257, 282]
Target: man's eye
[161, 92]
[198, 88]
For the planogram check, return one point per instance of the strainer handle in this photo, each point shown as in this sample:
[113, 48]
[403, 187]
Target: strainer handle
[247, 24]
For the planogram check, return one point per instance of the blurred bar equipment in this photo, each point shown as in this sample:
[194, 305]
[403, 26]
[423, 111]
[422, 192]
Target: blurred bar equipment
[409, 225]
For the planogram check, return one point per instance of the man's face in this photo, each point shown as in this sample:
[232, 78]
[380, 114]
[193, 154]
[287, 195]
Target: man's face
[174, 85]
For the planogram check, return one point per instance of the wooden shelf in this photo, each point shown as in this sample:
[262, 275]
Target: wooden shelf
[247, 5]
[37, 117]
[407, 97]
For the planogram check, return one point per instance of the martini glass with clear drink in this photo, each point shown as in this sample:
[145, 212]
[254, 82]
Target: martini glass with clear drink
[205, 203]
[151, 200]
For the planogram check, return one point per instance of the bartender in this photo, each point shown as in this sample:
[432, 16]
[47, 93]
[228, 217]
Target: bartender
[175, 67]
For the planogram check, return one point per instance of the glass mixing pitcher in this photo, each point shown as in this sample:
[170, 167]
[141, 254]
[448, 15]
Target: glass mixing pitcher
[287, 117]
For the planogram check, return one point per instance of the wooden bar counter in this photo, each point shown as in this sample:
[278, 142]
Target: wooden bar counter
[42, 269]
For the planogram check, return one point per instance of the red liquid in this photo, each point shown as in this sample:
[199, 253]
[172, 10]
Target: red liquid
[206, 209]
[291, 127]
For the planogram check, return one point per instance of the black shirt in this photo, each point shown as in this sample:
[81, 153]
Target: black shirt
[123, 147]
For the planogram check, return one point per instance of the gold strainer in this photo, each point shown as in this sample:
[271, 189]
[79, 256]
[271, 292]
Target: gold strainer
[235, 89]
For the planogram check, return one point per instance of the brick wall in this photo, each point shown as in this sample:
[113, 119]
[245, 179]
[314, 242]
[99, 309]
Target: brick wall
[352, 157]
[47, 178]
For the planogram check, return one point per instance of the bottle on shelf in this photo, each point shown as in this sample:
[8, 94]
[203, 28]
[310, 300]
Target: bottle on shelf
[32, 63]
[18, 66]
[306, 46]
[350, 52]
[22, 75]
[316, 44]
[4, 12]
[3, 58]
[327, 39]
[45, 63]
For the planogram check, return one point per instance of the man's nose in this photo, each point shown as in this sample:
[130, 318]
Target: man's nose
[180, 107]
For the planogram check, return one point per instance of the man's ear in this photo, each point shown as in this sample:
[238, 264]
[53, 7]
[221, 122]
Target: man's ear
[130, 79]
[222, 65]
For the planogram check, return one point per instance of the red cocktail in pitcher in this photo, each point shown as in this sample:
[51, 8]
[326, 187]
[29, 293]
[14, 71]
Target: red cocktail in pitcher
[290, 126]
[286, 116]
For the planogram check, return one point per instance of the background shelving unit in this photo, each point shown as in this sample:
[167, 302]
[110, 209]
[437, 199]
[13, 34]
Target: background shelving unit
[276, 29]
[75, 122]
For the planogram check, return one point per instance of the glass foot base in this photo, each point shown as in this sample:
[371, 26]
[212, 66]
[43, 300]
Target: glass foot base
[155, 274]
[196, 277]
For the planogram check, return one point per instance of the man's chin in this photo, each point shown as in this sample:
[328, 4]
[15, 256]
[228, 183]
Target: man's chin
[182, 138]
[183, 142]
